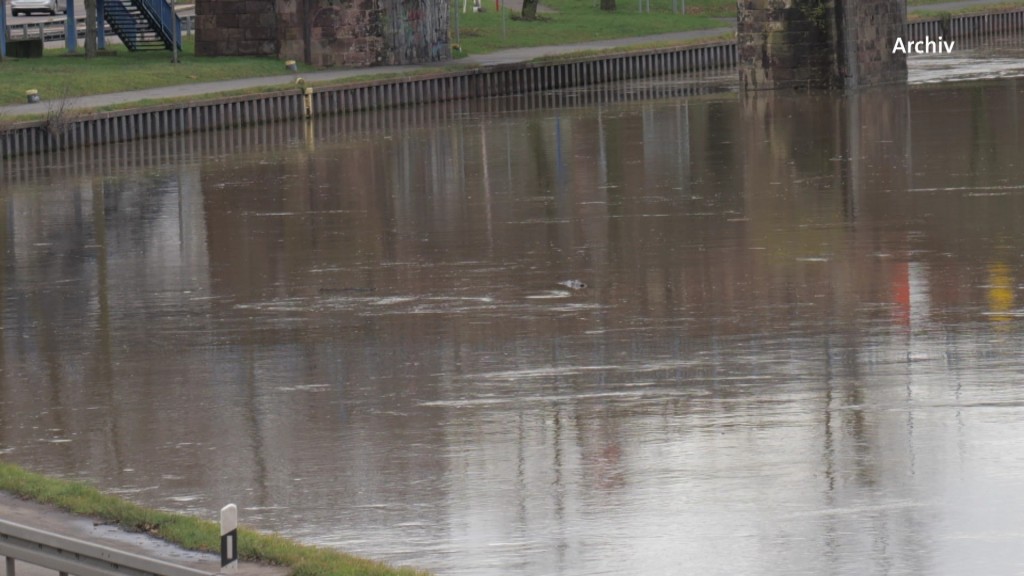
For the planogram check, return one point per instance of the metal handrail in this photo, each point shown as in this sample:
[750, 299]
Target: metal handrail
[53, 29]
[71, 556]
[162, 14]
[126, 27]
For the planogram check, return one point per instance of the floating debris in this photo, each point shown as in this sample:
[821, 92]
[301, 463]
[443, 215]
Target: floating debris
[573, 284]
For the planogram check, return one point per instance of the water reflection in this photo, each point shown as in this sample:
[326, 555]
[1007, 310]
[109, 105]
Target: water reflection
[977, 58]
[797, 351]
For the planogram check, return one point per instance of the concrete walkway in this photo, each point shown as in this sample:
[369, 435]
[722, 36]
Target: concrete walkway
[514, 55]
[950, 6]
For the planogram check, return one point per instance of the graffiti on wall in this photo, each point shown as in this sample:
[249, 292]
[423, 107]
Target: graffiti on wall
[416, 31]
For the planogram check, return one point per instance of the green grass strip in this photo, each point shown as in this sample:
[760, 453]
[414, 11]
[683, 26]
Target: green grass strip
[571, 22]
[1003, 6]
[58, 75]
[188, 532]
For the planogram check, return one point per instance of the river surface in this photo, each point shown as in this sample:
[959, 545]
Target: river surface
[798, 349]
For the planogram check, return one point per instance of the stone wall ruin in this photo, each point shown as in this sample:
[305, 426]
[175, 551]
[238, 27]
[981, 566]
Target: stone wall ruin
[819, 43]
[325, 33]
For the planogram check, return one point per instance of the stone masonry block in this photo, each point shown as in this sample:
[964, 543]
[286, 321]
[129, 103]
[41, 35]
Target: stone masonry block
[782, 44]
[227, 21]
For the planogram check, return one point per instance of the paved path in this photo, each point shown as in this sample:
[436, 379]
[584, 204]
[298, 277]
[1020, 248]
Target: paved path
[501, 57]
[948, 6]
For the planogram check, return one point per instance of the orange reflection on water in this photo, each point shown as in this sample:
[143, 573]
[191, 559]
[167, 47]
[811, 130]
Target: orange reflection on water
[999, 293]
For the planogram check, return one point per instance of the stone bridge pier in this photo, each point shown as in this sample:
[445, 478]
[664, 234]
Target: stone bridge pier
[823, 44]
[325, 33]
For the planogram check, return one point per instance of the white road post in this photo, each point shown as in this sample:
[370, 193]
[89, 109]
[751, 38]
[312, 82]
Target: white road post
[229, 539]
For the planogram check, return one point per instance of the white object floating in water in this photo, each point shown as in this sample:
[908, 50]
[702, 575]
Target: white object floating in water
[550, 294]
[573, 284]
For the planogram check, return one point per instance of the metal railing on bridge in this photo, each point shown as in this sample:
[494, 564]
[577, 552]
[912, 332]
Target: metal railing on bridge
[53, 29]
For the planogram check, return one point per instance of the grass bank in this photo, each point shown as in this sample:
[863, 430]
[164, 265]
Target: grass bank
[58, 74]
[187, 532]
[573, 22]
[997, 6]
[727, 8]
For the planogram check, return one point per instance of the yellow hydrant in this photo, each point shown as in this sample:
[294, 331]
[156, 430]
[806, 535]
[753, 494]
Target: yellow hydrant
[307, 97]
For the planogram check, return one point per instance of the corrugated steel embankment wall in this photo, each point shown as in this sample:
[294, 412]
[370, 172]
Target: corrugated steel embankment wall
[65, 131]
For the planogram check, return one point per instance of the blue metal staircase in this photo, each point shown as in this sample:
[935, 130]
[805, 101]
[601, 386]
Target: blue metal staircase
[143, 24]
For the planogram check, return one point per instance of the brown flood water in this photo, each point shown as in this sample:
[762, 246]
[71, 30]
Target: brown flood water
[798, 350]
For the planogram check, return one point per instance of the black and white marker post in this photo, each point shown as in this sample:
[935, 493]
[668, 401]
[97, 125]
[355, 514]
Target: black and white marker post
[229, 539]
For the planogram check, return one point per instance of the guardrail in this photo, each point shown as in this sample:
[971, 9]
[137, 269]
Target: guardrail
[49, 30]
[53, 29]
[70, 556]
